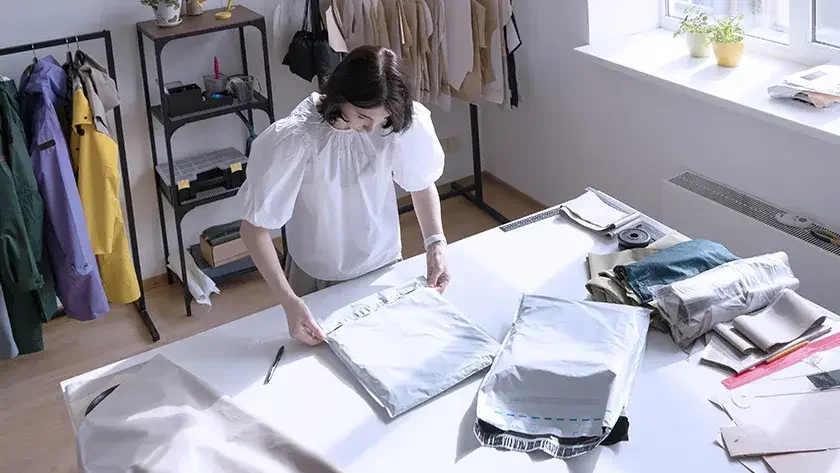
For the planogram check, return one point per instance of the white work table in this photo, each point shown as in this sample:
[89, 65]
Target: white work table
[313, 398]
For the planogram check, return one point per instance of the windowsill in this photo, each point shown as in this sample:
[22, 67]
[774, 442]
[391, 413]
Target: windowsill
[655, 56]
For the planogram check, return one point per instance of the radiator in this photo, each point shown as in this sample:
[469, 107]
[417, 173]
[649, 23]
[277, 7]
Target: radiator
[702, 208]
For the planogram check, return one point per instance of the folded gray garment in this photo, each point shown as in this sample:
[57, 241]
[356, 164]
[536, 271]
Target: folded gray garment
[693, 306]
[785, 320]
[407, 344]
[722, 353]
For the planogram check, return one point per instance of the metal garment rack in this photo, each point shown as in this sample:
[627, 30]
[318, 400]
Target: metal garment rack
[109, 50]
[475, 191]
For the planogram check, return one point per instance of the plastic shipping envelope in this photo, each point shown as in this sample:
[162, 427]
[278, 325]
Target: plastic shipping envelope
[563, 376]
[407, 344]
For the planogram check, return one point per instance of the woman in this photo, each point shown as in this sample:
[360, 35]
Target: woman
[327, 172]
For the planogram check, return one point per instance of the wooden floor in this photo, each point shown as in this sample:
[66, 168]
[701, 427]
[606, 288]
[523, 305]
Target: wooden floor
[35, 433]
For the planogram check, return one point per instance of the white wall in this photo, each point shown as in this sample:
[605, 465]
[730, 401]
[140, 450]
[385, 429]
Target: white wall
[581, 125]
[186, 60]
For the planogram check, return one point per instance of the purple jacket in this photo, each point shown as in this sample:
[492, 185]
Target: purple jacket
[68, 242]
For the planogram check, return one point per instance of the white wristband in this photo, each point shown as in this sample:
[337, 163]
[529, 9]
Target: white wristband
[432, 239]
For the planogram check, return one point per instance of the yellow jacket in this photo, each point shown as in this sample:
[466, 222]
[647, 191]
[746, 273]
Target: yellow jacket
[95, 161]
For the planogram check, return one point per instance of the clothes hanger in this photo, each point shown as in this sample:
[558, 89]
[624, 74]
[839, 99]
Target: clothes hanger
[34, 56]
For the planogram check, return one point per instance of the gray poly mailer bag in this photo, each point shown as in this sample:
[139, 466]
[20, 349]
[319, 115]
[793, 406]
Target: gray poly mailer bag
[407, 344]
[163, 419]
[693, 306]
[562, 377]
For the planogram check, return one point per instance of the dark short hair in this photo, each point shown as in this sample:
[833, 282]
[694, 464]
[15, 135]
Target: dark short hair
[370, 77]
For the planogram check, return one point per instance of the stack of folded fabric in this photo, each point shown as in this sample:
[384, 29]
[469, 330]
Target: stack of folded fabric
[627, 277]
[693, 306]
[605, 286]
[594, 214]
[749, 339]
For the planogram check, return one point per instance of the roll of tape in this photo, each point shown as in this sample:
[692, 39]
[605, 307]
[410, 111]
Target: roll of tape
[792, 220]
[633, 238]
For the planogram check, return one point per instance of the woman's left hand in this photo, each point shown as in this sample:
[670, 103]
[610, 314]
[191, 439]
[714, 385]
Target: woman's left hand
[437, 272]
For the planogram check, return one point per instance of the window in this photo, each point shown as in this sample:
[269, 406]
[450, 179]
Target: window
[806, 30]
[827, 30]
[765, 19]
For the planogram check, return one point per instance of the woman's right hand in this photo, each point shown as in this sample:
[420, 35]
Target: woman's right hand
[302, 325]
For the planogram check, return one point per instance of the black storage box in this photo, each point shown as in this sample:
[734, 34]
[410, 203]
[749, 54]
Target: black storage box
[189, 98]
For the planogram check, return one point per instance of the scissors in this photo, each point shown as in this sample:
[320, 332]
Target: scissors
[826, 236]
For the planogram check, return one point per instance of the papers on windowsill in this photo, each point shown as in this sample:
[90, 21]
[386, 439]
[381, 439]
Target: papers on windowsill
[594, 214]
[818, 86]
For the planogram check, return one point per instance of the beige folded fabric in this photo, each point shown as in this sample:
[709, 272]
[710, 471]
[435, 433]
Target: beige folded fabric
[734, 337]
[784, 320]
[603, 284]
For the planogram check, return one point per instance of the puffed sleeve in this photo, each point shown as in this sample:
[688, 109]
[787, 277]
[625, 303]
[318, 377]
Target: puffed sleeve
[275, 172]
[418, 156]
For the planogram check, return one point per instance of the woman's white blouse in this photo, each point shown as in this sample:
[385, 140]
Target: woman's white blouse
[333, 189]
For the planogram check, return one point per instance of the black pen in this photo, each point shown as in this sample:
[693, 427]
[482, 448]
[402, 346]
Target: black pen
[274, 365]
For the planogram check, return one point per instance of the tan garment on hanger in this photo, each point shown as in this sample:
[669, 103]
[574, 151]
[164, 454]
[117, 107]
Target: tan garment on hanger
[494, 91]
[353, 22]
[369, 30]
[491, 26]
[392, 10]
[471, 88]
[437, 48]
[459, 41]
[416, 50]
[380, 24]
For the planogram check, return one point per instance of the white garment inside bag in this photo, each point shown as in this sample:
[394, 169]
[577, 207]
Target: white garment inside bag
[407, 344]
[563, 376]
[692, 307]
[335, 188]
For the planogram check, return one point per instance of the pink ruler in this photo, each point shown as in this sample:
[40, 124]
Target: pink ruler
[793, 358]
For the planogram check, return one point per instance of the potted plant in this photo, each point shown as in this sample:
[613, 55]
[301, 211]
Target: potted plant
[167, 12]
[696, 27]
[728, 41]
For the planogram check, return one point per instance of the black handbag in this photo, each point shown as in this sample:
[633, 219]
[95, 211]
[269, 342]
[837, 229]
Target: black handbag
[310, 53]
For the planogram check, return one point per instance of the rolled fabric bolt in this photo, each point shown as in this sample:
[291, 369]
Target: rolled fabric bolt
[623, 224]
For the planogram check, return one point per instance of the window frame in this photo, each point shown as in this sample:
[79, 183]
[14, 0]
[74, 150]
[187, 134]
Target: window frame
[803, 47]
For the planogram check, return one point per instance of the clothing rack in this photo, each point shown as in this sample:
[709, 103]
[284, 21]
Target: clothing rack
[109, 49]
[475, 191]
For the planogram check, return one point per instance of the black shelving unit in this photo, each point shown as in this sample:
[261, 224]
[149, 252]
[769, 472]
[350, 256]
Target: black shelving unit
[242, 17]
[105, 35]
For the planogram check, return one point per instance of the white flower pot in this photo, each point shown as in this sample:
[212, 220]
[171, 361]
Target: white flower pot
[167, 14]
[698, 45]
